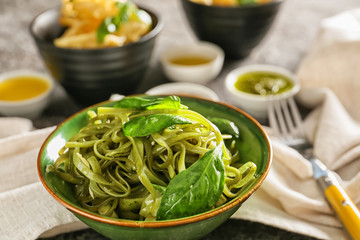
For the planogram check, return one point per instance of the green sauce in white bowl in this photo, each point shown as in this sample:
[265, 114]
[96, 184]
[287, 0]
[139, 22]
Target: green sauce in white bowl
[263, 83]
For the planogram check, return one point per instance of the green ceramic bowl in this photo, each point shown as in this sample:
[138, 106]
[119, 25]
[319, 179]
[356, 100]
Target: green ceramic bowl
[255, 146]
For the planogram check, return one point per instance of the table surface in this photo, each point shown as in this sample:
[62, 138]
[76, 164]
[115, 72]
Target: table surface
[285, 45]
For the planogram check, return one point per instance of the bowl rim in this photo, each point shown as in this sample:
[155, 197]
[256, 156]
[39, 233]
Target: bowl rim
[199, 88]
[163, 223]
[151, 34]
[251, 6]
[202, 46]
[231, 78]
[28, 73]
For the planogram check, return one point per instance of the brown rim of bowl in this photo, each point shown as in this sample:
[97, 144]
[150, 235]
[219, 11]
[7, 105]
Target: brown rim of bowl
[165, 223]
[151, 34]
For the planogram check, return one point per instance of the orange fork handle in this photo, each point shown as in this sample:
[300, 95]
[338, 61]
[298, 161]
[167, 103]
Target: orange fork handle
[345, 209]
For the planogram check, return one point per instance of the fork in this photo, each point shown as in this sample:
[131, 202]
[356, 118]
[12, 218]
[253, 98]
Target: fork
[286, 122]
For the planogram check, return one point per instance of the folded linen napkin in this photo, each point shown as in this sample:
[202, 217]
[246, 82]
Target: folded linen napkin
[8, 126]
[27, 210]
[333, 61]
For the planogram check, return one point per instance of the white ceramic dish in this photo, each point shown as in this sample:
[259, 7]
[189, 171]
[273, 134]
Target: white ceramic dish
[198, 73]
[31, 107]
[191, 89]
[257, 105]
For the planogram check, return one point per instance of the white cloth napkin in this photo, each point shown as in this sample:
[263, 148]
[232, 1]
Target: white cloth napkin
[27, 209]
[14, 125]
[333, 62]
[288, 199]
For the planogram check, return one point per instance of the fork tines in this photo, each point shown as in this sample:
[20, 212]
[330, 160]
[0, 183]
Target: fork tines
[285, 119]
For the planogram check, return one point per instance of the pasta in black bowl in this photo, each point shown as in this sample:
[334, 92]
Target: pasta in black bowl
[90, 71]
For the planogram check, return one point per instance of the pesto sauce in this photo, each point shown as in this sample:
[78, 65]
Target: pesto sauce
[263, 83]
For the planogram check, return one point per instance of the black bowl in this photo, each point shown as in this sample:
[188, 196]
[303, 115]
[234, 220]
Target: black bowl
[92, 75]
[238, 30]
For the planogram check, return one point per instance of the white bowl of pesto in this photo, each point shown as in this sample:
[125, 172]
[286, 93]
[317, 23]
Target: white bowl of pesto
[252, 87]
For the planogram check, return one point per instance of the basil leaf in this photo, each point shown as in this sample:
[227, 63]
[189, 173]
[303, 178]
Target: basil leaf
[124, 13]
[104, 29]
[225, 126]
[196, 189]
[111, 24]
[135, 102]
[146, 125]
[167, 102]
[159, 188]
[150, 103]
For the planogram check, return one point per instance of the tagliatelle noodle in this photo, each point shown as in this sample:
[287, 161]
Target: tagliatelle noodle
[114, 175]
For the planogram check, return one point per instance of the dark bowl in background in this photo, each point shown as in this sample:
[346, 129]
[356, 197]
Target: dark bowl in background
[92, 75]
[238, 30]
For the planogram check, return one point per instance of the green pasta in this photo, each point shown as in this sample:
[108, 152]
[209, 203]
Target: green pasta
[126, 175]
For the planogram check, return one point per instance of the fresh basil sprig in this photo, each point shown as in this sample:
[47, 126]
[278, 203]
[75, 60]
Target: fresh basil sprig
[159, 188]
[111, 24]
[196, 189]
[150, 103]
[146, 125]
[225, 126]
